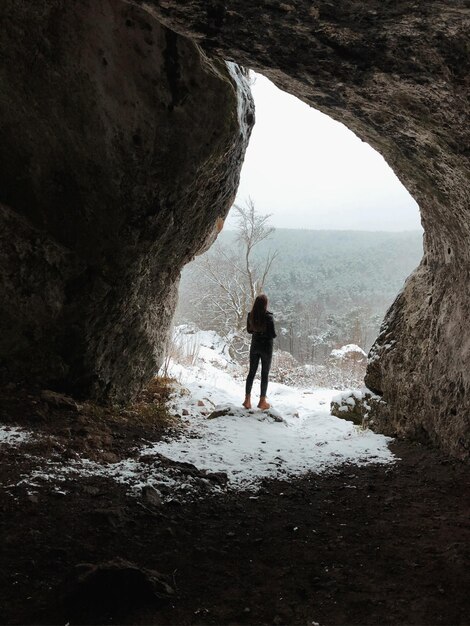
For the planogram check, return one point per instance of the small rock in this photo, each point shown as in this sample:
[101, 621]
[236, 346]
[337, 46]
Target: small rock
[200, 403]
[151, 495]
[348, 408]
[221, 478]
[109, 457]
[149, 459]
[219, 413]
[58, 493]
[185, 412]
[275, 415]
[71, 455]
[91, 490]
[120, 581]
[59, 400]
[113, 517]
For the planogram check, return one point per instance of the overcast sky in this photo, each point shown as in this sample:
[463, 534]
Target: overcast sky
[312, 172]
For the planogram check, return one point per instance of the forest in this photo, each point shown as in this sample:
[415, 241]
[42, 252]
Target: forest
[327, 289]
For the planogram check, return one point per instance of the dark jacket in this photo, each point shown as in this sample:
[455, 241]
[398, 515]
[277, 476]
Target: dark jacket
[268, 333]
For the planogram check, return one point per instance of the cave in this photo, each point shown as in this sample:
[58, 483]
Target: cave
[123, 130]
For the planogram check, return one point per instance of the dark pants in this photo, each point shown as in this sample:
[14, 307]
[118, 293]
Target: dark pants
[260, 349]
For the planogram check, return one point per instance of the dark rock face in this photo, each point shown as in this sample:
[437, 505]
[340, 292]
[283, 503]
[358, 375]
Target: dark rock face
[120, 148]
[420, 362]
[397, 74]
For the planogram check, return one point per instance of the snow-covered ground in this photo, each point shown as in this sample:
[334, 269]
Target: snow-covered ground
[298, 435]
[251, 445]
[13, 436]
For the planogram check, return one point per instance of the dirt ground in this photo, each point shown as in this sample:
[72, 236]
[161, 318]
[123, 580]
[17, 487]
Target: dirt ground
[370, 545]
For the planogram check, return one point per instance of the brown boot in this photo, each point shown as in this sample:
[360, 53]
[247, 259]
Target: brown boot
[247, 403]
[263, 404]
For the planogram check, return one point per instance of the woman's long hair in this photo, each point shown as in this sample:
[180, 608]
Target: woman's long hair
[258, 313]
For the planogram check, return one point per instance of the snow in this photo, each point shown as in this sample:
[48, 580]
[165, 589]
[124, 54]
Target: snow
[13, 436]
[349, 349]
[128, 472]
[202, 345]
[244, 96]
[350, 395]
[252, 445]
[298, 435]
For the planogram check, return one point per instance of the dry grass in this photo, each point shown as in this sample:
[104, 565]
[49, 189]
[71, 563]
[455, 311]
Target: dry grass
[158, 389]
[149, 408]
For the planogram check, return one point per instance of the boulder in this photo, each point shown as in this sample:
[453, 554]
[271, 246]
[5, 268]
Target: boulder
[350, 354]
[360, 407]
[119, 583]
[59, 400]
[121, 145]
[151, 495]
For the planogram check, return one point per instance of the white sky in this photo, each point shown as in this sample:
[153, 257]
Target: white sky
[310, 171]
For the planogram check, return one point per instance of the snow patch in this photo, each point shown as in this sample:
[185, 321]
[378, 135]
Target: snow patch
[13, 435]
[348, 350]
[298, 435]
[350, 395]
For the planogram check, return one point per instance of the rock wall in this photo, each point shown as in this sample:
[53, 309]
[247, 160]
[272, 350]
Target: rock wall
[397, 74]
[120, 148]
[420, 362]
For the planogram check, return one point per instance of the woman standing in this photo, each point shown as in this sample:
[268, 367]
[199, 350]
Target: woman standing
[260, 325]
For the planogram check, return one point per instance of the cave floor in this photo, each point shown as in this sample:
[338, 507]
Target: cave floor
[361, 545]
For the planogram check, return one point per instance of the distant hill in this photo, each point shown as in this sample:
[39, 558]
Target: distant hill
[354, 266]
[327, 289]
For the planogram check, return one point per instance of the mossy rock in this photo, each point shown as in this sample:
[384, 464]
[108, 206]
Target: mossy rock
[354, 406]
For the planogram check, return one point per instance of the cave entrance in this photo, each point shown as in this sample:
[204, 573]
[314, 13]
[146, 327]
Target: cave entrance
[325, 228]
[346, 235]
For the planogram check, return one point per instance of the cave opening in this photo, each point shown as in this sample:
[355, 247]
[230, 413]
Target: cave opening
[346, 235]
[323, 226]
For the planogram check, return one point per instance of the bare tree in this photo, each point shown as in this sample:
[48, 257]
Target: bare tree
[253, 229]
[226, 293]
[232, 277]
